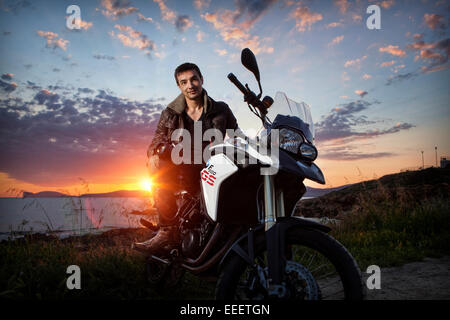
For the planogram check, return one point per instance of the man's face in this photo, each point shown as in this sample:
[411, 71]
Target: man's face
[190, 84]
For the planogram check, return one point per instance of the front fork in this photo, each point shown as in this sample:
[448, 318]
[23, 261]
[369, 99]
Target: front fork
[273, 209]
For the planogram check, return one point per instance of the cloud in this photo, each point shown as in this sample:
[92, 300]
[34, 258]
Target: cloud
[134, 39]
[141, 17]
[167, 14]
[246, 14]
[85, 25]
[367, 76]
[434, 21]
[336, 40]
[52, 42]
[401, 77]
[33, 86]
[334, 25]
[387, 63]
[386, 4]
[234, 26]
[397, 68]
[343, 5]
[200, 4]
[361, 93]
[200, 35]
[7, 76]
[52, 140]
[8, 87]
[394, 50]
[48, 98]
[356, 17]
[343, 124]
[183, 23]
[221, 52]
[85, 90]
[17, 6]
[304, 18]
[117, 8]
[433, 54]
[103, 57]
[251, 11]
[355, 63]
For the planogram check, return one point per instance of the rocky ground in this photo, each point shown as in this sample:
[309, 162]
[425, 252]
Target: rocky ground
[424, 280]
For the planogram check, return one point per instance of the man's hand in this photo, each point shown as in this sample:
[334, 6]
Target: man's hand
[153, 164]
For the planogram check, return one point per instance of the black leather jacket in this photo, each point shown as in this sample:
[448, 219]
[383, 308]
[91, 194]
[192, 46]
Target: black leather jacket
[217, 115]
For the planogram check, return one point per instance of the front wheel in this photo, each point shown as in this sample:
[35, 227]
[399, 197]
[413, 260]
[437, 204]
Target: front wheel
[317, 267]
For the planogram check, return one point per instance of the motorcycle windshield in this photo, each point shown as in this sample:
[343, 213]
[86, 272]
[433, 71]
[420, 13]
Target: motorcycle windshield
[284, 106]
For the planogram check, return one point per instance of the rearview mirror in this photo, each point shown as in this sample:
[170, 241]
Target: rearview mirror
[248, 59]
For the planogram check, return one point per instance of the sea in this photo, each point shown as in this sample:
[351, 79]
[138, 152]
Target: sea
[69, 216]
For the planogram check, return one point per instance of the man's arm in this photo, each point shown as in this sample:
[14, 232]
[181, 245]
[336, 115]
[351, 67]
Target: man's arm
[160, 136]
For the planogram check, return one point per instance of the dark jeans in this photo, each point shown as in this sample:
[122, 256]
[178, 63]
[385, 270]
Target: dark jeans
[170, 180]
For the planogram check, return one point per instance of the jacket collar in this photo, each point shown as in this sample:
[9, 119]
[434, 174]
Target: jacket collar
[179, 104]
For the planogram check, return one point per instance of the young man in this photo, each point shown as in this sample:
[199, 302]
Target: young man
[193, 107]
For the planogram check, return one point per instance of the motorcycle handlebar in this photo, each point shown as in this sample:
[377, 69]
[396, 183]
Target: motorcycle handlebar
[237, 83]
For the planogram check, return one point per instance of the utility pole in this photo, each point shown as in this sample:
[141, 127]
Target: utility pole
[435, 149]
[423, 164]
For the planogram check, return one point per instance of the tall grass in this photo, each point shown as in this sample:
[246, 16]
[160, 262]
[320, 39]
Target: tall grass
[391, 227]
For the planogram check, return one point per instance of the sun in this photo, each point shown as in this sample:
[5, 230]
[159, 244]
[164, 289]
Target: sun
[146, 184]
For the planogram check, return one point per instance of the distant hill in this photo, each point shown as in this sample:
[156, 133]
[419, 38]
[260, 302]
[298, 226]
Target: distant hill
[114, 194]
[118, 194]
[310, 192]
[43, 194]
[316, 192]
[410, 186]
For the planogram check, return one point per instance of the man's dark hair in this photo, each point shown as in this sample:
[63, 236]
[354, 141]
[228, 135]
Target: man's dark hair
[185, 67]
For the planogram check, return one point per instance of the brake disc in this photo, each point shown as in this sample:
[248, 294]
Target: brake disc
[301, 282]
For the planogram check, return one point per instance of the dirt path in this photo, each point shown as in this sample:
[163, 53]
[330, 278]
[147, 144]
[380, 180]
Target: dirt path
[425, 280]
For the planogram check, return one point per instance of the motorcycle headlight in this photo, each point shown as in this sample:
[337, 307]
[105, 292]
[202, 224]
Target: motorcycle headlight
[290, 140]
[308, 151]
[293, 142]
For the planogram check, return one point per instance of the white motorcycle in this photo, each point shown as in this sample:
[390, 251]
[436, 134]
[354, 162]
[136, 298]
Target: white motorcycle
[241, 227]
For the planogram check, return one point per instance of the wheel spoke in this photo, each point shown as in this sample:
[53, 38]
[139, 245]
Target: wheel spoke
[311, 260]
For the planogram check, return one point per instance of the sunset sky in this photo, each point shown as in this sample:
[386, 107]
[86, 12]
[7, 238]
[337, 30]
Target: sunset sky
[79, 107]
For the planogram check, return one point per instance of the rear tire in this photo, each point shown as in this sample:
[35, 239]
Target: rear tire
[235, 274]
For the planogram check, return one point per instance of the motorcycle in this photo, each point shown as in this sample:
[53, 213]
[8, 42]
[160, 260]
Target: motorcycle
[241, 228]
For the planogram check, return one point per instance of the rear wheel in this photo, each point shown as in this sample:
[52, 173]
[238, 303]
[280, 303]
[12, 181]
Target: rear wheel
[318, 267]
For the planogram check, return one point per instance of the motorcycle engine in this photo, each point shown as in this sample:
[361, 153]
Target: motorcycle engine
[194, 230]
[191, 243]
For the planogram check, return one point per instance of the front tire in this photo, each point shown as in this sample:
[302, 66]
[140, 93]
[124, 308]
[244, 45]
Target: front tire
[311, 254]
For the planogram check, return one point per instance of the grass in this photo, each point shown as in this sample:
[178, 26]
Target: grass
[391, 233]
[36, 268]
[384, 228]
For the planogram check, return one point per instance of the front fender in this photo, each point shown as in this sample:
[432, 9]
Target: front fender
[245, 246]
